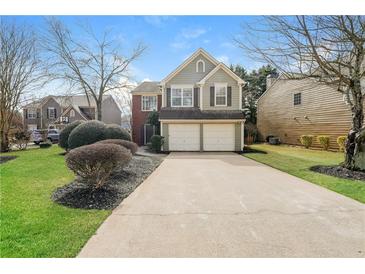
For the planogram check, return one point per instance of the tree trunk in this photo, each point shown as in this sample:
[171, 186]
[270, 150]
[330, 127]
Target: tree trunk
[355, 138]
[4, 141]
[98, 111]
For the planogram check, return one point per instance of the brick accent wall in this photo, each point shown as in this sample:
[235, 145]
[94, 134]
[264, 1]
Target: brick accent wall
[139, 118]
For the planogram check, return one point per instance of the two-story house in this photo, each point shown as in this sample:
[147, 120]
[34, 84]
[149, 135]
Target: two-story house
[201, 106]
[59, 110]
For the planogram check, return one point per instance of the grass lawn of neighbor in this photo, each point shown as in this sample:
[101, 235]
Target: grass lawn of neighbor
[297, 161]
[32, 225]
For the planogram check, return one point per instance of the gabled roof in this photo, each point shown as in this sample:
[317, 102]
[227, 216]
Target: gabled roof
[147, 87]
[187, 62]
[225, 69]
[76, 108]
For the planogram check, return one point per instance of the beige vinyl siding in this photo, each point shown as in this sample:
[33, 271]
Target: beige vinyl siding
[165, 134]
[188, 75]
[322, 111]
[221, 77]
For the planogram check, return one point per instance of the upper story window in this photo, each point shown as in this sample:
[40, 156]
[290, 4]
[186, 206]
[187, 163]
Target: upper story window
[149, 103]
[200, 66]
[297, 99]
[72, 113]
[32, 113]
[220, 94]
[51, 113]
[182, 96]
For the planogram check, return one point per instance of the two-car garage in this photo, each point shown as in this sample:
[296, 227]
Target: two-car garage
[203, 136]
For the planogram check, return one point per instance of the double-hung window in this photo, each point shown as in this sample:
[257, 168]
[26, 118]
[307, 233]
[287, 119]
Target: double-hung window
[182, 96]
[32, 113]
[51, 113]
[220, 94]
[149, 103]
[297, 99]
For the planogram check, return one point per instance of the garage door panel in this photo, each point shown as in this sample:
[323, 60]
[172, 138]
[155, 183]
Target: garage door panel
[219, 137]
[184, 137]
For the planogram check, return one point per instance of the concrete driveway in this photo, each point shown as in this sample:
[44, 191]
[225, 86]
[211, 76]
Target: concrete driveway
[225, 205]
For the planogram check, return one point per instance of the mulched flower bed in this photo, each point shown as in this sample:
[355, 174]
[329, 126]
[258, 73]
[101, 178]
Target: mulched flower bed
[339, 171]
[4, 159]
[120, 185]
[251, 150]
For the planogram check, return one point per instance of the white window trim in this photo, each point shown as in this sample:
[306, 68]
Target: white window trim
[197, 65]
[34, 113]
[72, 111]
[49, 113]
[217, 85]
[142, 103]
[182, 95]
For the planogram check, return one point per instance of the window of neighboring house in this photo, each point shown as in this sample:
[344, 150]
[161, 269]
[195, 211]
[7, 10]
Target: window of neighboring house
[51, 113]
[200, 66]
[72, 113]
[32, 113]
[182, 96]
[297, 99]
[149, 103]
[220, 94]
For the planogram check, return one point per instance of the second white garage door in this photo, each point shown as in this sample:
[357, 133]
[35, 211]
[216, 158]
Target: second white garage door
[219, 137]
[184, 137]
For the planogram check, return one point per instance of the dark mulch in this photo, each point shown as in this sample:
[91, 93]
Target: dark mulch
[339, 171]
[4, 159]
[251, 150]
[120, 185]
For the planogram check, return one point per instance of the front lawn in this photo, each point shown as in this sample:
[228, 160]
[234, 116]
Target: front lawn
[297, 161]
[31, 224]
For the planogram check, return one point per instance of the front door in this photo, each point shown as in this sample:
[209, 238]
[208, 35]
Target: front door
[149, 130]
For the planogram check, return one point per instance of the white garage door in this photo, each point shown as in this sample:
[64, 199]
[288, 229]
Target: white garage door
[184, 137]
[219, 137]
[32, 127]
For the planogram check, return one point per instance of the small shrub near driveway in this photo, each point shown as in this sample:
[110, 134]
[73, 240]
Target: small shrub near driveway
[156, 143]
[341, 141]
[65, 133]
[94, 163]
[306, 140]
[21, 139]
[86, 133]
[324, 141]
[133, 147]
[46, 144]
[116, 132]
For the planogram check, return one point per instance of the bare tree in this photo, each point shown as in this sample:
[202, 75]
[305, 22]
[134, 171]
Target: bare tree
[327, 48]
[20, 72]
[93, 64]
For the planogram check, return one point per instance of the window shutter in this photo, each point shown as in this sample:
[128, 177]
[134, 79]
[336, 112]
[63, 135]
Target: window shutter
[196, 97]
[229, 96]
[168, 97]
[212, 96]
[55, 113]
[26, 113]
[38, 114]
[47, 113]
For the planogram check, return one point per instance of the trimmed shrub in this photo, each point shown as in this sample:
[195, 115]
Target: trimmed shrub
[116, 132]
[86, 133]
[21, 139]
[94, 163]
[156, 142]
[133, 147]
[341, 141]
[324, 140]
[306, 140]
[65, 133]
[46, 144]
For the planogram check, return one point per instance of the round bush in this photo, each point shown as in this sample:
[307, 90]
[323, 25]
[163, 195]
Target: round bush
[65, 133]
[306, 140]
[116, 132]
[94, 163]
[156, 142]
[341, 141]
[324, 140]
[133, 147]
[86, 133]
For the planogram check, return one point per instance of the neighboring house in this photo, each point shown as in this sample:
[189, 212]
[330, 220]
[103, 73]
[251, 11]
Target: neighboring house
[60, 110]
[201, 106]
[290, 108]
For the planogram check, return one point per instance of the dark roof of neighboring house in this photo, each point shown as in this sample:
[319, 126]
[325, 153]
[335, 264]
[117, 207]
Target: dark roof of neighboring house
[195, 113]
[147, 87]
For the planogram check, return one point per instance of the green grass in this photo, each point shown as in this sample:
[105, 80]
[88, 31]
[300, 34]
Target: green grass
[297, 161]
[31, 224]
